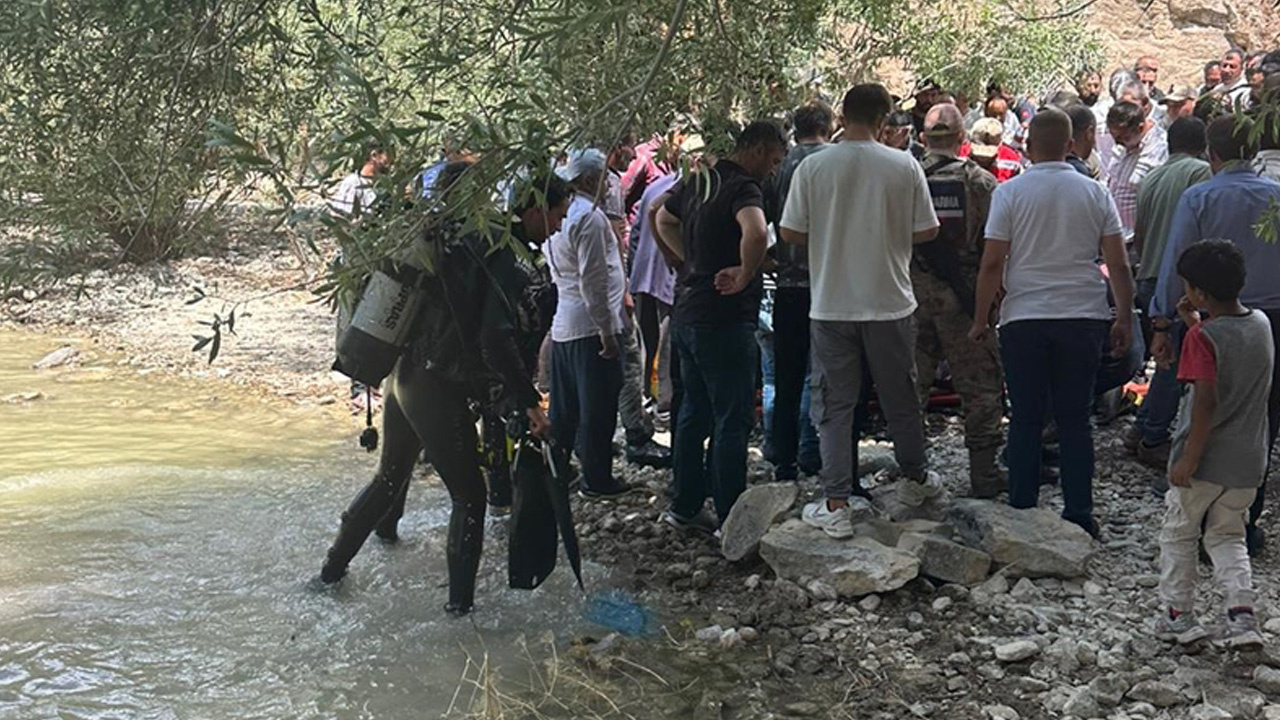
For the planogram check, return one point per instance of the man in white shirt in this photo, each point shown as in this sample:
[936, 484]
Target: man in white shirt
[355, 195]
[586, 367]
[1235, 86]
[352, 199]
[1046, 226]
[859, 207]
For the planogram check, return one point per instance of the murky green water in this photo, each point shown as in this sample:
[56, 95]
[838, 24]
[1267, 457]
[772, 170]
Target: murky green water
[156, 543]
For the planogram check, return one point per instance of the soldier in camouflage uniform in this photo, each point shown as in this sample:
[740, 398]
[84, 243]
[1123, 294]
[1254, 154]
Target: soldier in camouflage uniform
[944, 275]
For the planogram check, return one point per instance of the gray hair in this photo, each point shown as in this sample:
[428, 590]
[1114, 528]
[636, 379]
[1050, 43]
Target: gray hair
[1118, 79]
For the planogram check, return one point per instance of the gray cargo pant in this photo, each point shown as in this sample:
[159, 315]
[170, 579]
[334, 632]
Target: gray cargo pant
[836, 383]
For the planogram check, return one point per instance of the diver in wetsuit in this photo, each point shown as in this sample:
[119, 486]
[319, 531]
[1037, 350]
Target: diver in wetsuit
[468, 349]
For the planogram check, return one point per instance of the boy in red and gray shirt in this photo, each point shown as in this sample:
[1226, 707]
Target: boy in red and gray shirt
[1219, 450]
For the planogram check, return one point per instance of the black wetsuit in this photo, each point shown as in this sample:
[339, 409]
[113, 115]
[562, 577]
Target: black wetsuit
[468, 349]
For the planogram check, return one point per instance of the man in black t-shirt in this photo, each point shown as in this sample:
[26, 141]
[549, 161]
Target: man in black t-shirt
[714, 223]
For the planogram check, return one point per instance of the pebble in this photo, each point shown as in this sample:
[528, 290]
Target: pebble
[748, 634]
[1267, 679]
[752, 582]
[709, 634]
[870, 603]
[1209, 712]
[915, 621]
[1158, 693]
[1272, 626]
[730, 638]
[942, 603]
[1017, 651]
[822, 591]
[1001, 712]
[701, 578]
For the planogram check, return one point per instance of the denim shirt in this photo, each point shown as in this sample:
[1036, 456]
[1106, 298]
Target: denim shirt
[1225, 207]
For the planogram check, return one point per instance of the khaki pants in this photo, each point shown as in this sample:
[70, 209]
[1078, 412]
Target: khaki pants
[1222, 511]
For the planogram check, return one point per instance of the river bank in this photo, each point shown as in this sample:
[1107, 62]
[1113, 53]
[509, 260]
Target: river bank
[782, 648]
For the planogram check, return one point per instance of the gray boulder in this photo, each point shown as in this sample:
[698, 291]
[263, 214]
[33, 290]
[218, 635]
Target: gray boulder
[1242, 702]
[945, 560]
[853, 567]
[751, 517]
[1160, 694]
[885, 497]
[1035, 542]
[887, 532]
[57, 358]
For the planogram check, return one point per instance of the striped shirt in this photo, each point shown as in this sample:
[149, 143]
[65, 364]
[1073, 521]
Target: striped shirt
[1127, 170]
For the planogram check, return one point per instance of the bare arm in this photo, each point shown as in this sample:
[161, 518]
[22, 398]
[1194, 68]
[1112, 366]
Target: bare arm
[1121, 278]
[793, 237]
[667, 230]
[990, 277]
[924, 236]
[751, 249]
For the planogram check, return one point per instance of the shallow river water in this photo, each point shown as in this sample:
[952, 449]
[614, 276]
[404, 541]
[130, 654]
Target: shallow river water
[156, 546]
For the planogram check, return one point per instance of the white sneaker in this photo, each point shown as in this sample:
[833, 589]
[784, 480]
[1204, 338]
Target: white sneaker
[835, 523]
[915, 493]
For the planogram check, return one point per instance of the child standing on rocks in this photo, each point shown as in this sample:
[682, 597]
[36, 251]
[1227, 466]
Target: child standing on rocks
[1219, 449]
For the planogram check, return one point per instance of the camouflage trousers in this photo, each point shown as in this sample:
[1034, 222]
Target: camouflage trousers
[943, 334]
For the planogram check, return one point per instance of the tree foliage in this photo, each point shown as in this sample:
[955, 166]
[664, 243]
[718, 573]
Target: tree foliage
[103, 109]
[116, 114]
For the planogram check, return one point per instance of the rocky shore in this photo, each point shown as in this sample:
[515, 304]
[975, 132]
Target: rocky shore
[958, 609]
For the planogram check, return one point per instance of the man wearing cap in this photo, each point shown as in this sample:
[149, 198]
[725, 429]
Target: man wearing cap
[1179, 103]
[944, 274]
[586, 365]
[926, 96]
[988, 149]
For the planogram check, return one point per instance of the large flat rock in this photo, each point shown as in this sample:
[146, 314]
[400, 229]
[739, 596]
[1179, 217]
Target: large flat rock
[853, 567]
[1036, 542]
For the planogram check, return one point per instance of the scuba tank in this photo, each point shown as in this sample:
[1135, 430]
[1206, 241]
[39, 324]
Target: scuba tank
[373, 341]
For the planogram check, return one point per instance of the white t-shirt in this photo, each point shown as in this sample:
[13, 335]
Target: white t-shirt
[1054, 219]
[860, 202]
[353, 196]
[587, 271]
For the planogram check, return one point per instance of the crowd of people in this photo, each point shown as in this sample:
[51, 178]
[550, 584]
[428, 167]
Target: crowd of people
[1033, 253]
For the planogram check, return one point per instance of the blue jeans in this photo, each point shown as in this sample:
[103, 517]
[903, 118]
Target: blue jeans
[717, 370]
[1160, 408]
[1052, 363]
[768, 389]
[794, 437]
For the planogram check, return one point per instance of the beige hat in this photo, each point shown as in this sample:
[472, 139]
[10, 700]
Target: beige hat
[1182, 93]
[985, 138]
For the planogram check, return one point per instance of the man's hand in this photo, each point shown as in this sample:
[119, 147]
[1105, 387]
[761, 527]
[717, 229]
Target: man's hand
[733, 280]
[628, 302]
[1121, 337]
[608, 346]
[1188, 311]
[1162, 349]
[1181, 472]
[539, 425]
[979, 332]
